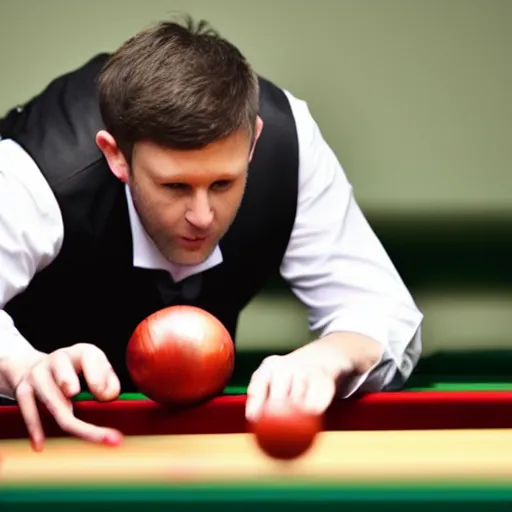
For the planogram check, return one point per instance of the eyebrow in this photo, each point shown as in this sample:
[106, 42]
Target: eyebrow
[189, 176]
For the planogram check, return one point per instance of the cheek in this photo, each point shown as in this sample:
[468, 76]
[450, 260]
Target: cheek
[168, 214]
[237, 192]
[157, 209]
[226, 205]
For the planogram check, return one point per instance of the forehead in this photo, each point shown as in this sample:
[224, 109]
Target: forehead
[228, 157]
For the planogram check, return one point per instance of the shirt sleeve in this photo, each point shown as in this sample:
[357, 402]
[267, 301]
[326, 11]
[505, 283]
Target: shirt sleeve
[339, 270]
[31, 232]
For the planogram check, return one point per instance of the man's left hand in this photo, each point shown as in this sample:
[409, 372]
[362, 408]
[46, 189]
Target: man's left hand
[310, 377]
[291, 380]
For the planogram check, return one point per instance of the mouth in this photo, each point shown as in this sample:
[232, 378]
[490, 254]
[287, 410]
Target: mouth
[193, 241]
[194, 238]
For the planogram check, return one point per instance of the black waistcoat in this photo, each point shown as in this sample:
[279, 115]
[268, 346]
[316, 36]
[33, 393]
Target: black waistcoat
[91, 292]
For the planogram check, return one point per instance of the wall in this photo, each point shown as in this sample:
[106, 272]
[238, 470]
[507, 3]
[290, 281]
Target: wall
[413, 96]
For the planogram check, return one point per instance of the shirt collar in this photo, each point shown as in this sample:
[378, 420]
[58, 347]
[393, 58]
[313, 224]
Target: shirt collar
[146, 254]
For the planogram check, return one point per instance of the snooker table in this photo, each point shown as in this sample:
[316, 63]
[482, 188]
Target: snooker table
[444, 441]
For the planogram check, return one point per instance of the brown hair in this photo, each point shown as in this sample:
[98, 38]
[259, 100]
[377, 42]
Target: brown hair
[179, 86]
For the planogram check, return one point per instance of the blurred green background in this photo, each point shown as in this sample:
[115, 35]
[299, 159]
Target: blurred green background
[414, 97]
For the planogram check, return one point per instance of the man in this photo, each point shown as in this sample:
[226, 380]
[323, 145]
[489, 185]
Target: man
[170, 173]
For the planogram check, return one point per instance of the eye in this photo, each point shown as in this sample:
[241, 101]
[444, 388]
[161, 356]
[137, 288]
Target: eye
[176, 186]
[221, 184]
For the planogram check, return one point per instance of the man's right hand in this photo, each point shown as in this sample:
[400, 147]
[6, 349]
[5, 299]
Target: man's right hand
[53, 379]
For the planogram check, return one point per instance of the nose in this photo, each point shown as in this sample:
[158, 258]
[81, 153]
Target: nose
[199, 213]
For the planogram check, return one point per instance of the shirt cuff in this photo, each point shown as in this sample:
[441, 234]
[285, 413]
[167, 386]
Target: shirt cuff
[394, 337]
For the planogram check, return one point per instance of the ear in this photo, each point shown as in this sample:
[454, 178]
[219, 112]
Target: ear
[257, 133]
[115, 158]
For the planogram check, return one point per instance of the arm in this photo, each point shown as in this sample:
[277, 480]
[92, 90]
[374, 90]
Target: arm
[367, 321]
[31, 234]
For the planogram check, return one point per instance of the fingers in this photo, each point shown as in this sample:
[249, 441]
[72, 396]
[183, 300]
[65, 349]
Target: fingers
[54, 380]
[59, 406]
[99, 375]
[41, 376]
[299, 388]
[258, 388]
[40, 386]
[319, 394]
[285, 381]
[26, 399]
[64, 373]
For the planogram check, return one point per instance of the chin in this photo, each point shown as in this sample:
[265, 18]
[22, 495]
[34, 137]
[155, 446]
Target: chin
[189, 259]
[192, 261]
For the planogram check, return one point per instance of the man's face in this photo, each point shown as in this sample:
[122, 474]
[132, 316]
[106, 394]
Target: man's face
[186, 200]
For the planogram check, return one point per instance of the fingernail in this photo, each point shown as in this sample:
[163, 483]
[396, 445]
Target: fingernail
[37, 444]
[112, 439]
[110, 387]
[72, 390]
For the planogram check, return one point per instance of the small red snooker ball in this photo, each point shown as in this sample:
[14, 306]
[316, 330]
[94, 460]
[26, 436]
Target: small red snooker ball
[285, 432]
[180, 356]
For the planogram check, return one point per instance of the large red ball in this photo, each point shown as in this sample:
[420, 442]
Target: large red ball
[285, 432]
[180, 355]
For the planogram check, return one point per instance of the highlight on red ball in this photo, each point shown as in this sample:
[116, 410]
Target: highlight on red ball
[180, 356]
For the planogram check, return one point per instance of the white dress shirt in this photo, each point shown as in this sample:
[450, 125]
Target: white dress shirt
[334, 262]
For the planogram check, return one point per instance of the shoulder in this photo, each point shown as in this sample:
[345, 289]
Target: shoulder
[286, 115]
[274, 97]
[307, 128]
[319, 165]
[22, 177]
[31, 231]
